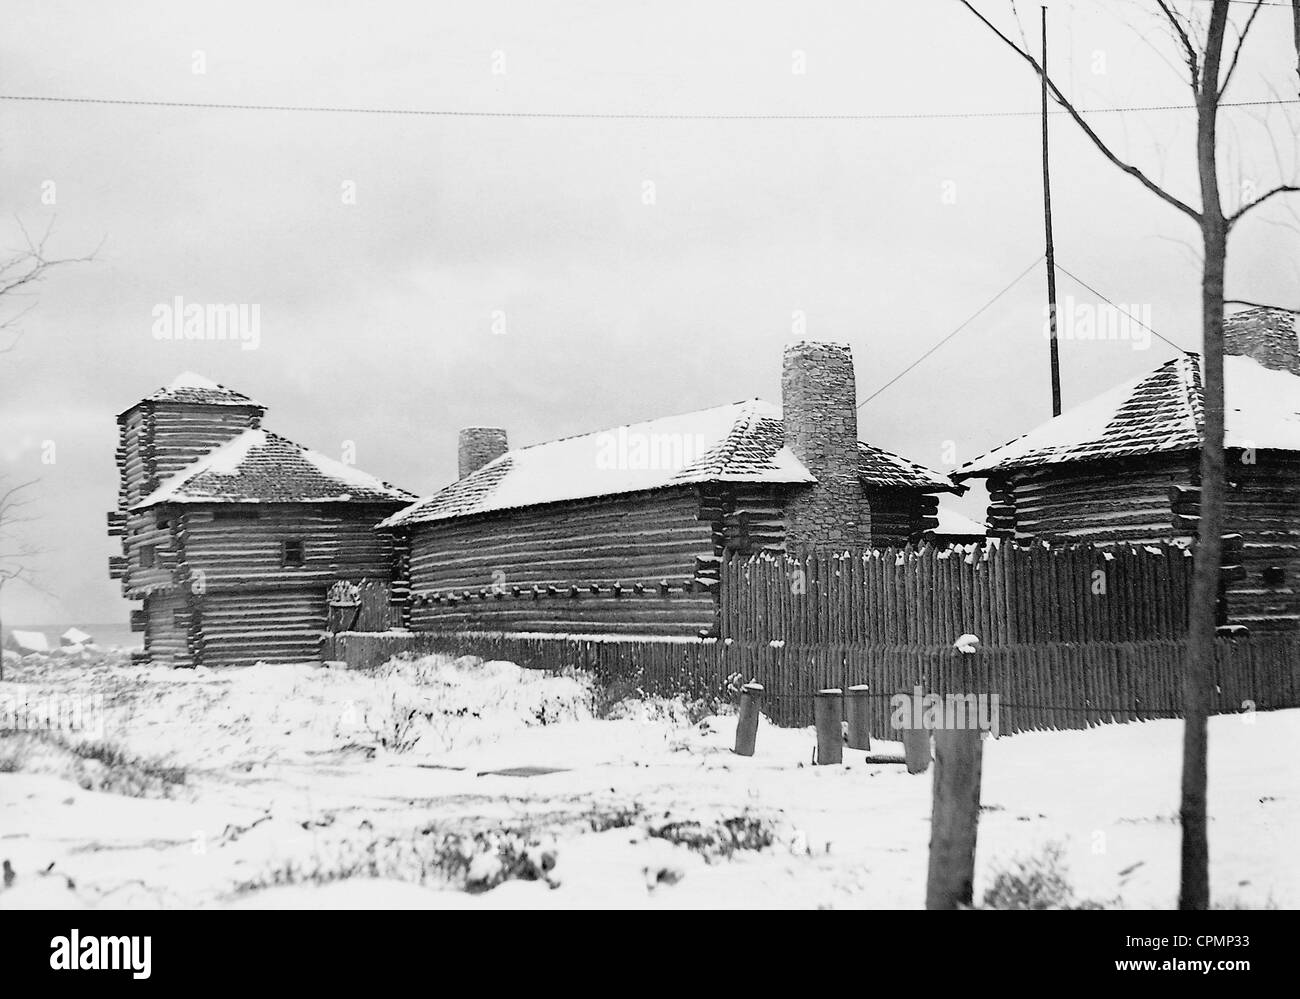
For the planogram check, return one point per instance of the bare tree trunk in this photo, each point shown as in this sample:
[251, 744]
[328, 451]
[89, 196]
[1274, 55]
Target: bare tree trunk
[1204, 75]
[1295, 16]
[1194, 890]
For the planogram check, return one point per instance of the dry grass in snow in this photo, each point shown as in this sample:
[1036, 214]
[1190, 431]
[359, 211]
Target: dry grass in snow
[443, 782]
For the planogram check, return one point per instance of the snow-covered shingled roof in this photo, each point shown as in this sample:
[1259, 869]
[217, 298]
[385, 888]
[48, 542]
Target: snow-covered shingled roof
[740, 442]
[1160, 412]
[953, 522]
[28, 641]
[75, 636]
[192, 388]
[262, 467]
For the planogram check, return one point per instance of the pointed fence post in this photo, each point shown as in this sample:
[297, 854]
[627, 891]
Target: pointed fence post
[857, 712]
[954, 818]
[828, 716]
[747, 723]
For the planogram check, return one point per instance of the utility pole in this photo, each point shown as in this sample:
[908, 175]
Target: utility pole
[1051, 250]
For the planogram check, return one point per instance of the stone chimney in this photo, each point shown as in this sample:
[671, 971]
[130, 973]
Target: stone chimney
[1267, 335]
[478, 446]
[820, 414]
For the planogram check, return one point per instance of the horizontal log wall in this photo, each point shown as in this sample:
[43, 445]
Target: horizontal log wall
[899, 516]
[1098, 503]
[339, 542]
[132, 466]
[1158, 499]
[1046, 686]
[181, 434]
[535, 569]
[166, 634]
[242, 628]
[156, 440]
[249, 606]
[149, 527]
[1263, 506]
[1002, 593]
[746, 519]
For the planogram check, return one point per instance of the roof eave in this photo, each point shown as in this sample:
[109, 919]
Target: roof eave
[1030, 466]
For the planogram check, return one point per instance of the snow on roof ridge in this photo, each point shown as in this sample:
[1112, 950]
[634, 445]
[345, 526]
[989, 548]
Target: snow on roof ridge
[952, 521]
[199, 390]
[735, 442]
[190, 379]
[531, 475]
[1259, 407]
[629, 426]
[1120, 393]
[226, 458]
[218, 459]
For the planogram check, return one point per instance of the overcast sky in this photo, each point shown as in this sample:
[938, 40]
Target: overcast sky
[377, 316]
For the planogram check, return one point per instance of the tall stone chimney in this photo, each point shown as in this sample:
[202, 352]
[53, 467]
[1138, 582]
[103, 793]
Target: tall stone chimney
[478, 446]
[1267, 335]
[820, 414]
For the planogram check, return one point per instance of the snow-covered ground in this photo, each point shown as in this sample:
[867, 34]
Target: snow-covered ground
[282, 786]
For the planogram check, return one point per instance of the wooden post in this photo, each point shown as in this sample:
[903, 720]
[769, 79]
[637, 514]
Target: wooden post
[747, 723]
[954, 819]
[1051, 249]
[916, 749]
[828, 716]
[857, 712]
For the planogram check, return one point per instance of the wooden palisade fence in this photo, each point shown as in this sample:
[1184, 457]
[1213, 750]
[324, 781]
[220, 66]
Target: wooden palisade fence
[1042, 686]
[1001, 592]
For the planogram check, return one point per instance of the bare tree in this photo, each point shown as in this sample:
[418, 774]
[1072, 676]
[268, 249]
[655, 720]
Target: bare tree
[1295, 18]
[1202, 51]
[20, 272]
[16, 555]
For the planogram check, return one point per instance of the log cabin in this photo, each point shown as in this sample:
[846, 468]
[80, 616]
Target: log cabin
[232, 535]
[1125, 467]
[623, 530]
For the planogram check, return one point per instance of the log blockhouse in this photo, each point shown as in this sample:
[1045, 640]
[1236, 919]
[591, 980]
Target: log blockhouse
[623, 531]
[232, 535]
[1125, 467]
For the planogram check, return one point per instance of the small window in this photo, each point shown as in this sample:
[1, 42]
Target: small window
[1274, 575]
[148, 556]
[293, 553]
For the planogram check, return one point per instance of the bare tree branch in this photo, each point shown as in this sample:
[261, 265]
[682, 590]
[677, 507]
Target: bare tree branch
[1295, 15]
[10, 499]
[1087, 129]
[1236, 53]
[15, 562]
[1260, 305]
[1190, 52]
[1280, 189]
[29, 266]
[1192, 251]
